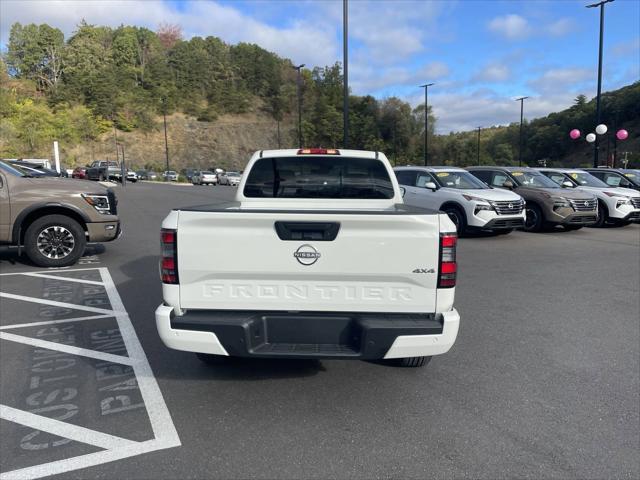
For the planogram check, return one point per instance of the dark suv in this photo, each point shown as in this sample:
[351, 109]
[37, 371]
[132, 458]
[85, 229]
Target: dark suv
[548, 204]
[614, 177]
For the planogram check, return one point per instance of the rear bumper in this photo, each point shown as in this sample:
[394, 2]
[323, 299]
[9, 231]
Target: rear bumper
[308, 335]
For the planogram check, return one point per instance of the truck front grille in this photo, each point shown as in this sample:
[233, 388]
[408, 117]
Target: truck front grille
[508, 208]
[584, 205]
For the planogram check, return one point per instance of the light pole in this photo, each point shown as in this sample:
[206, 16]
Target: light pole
[521, 100]
[426, 121]
[298, 84]
[479, 128]
[166, 144]
[345, 55]
[601, 5]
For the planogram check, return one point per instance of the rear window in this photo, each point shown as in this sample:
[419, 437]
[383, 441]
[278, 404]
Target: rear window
[319, 177]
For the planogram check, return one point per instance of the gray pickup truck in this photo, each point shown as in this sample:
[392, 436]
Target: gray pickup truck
[53, 218]
[104, 170]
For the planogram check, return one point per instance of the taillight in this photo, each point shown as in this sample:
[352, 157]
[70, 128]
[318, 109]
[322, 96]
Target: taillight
[448, 267]
[318, 151]
[169, 256]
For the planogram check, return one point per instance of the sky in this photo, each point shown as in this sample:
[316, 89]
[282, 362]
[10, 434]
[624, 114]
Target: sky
[481, 55]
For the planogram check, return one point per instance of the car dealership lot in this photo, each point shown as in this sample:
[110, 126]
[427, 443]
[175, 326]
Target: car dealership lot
[543, 380]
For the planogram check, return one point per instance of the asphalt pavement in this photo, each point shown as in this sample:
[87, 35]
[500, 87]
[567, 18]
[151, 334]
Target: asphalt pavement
[543, 381]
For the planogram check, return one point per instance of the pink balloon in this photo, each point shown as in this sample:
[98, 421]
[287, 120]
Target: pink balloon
[622, 134]
[574, 134]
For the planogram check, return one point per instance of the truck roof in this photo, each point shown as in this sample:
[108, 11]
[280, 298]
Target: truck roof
[293, 152]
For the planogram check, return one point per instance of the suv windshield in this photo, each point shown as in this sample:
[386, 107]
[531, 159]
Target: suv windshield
[586, 179]
[533, 179]
[319, 177]
[460, 180]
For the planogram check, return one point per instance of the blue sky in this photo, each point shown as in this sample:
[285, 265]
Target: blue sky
[480, 54]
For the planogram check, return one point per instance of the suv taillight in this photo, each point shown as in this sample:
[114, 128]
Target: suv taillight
[448, 267]
[169, 256]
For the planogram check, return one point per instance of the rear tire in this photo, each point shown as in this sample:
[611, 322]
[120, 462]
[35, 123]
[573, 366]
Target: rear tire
[457, 217]
[414, 362]
[54, 236]
[534, 221]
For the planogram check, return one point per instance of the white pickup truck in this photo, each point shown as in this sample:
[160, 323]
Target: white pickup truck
[321, 259]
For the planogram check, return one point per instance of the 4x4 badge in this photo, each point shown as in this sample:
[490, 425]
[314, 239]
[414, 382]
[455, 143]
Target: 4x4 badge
[306, 254]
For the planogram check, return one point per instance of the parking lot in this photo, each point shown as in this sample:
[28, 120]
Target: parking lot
[543, 380]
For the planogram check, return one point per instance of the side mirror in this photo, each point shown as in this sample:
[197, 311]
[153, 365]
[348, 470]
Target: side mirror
[567, 184]
[431, 186]
[508, 184]
[403, 191]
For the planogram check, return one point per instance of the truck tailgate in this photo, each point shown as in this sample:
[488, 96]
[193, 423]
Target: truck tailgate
[378, 262]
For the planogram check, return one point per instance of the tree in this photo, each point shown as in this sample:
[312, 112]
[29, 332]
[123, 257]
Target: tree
[169, 34]
[36, 52]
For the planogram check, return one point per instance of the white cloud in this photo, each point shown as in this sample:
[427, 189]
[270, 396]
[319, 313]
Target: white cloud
[312, 43]
[570, 79]
[463, 112]
[493, 72]
[367, 79]
[561, 27]
[512, 27]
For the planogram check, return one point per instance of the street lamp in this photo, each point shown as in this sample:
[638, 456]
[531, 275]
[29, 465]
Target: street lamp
[298, 85]
[166, 144]
[426, 121]
[345, 54]
[479, 128]
[601, 5]
[521, 100]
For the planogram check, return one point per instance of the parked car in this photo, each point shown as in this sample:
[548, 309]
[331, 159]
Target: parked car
[142, 174]
[233, 178]
[188, 173]
[132, 176]
[333, 237]
[223, 179]
[615, 205]
[469, 202]
[170, 176]
[79, 172]
[53, 218]
[617, 177]
[103, 170]
[548, 204]
[204, 177]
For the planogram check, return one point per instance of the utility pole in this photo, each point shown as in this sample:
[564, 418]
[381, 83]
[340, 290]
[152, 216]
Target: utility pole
[345, 56]
[298, 84]
[521, 100]
[426, 121]
[479, 128]
[166, 143]
[115, 135]
[123, 169]
[596, 145]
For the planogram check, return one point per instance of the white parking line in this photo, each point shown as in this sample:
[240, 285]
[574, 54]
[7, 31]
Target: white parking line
[63, 429]
[61, 347]
[52, 322]
[53, 303]
[66, 279]
[117, 448]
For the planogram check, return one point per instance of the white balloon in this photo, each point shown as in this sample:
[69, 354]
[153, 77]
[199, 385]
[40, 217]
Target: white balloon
[591, 137]
[601, 129]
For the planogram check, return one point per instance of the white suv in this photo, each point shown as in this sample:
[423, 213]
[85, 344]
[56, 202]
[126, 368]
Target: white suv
[469, 202]
[615, 204]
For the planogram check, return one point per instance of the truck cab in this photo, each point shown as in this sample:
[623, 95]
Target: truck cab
[323, 260]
